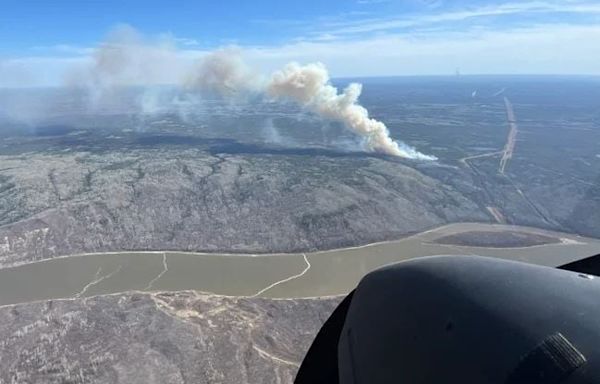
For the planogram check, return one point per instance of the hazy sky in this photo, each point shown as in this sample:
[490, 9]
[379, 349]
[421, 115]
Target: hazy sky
[40, 41]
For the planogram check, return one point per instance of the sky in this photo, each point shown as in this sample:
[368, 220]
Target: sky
[41, 42]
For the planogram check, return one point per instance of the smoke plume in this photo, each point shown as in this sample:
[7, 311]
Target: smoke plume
[222, 72]
[126, 58]
[310, 86]
[129, 59]
[225, 73]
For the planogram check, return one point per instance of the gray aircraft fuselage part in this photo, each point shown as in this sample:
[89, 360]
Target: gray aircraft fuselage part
[462, 319]
[471, 320]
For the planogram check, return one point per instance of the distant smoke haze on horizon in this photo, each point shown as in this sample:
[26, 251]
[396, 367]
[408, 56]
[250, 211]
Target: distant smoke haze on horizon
[126, 58]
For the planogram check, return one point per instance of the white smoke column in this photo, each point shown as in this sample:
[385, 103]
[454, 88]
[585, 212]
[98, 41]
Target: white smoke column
[271, 133]
[310, 86]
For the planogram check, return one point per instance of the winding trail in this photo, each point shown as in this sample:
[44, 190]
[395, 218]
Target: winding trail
[286, 279]
[165, 269]
[506, 154]
[464, 159]
[97, 280]
[266, 354]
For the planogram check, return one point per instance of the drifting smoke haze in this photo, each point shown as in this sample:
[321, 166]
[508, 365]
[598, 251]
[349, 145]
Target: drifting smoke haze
[270, 132]
[129, 59]
[176, 81]
[223, 72]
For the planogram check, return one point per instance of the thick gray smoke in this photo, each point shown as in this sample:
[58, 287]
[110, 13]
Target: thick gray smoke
[224, 72]
[310, 86]
[172, 80]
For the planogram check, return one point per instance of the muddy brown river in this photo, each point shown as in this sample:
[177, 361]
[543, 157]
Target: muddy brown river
[322, 273]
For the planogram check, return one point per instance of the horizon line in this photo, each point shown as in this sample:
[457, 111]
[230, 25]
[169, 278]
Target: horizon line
[337, 78]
